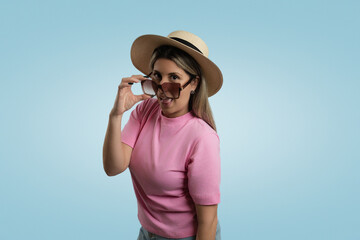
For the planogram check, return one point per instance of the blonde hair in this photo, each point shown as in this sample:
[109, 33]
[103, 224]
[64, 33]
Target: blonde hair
[198, 103]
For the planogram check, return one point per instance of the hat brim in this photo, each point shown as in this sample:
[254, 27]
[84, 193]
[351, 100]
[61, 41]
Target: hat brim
[143, 47]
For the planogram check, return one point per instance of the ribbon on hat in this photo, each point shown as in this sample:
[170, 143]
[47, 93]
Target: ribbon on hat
[189, 44]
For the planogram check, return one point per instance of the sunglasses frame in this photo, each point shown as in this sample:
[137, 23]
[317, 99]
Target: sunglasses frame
[159, 86]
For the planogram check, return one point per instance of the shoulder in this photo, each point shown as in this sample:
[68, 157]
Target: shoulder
[205, 146]
[147, 104]
[146, 107]
[203, 131]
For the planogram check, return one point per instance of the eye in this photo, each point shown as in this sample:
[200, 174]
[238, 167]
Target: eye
[156, 76]
[174, 77]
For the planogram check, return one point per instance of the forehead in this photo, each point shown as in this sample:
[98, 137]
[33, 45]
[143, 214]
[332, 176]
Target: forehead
[165, 66]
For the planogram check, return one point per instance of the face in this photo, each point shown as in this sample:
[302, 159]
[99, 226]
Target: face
[166, 70]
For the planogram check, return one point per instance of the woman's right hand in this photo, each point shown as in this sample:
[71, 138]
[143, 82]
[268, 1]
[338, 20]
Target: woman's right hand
[125, 99]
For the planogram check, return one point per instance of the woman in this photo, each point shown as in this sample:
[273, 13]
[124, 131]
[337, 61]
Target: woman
[169, 144]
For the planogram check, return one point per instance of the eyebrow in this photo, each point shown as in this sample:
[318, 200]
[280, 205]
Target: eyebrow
[172, 73]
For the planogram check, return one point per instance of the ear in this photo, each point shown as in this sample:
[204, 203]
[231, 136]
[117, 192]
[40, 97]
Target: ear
[195, 83]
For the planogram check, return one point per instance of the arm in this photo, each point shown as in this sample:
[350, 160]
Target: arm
[207, 221]
[204, 184]
[116, 155]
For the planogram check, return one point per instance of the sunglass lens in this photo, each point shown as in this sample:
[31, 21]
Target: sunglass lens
[171, 90]
[148, 87]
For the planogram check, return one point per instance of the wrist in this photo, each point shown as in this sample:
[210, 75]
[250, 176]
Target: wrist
[113, 115]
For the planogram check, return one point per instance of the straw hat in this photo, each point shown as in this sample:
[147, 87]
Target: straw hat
[143, 47]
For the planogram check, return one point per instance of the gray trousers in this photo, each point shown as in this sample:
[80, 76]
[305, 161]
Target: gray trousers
[145, 235]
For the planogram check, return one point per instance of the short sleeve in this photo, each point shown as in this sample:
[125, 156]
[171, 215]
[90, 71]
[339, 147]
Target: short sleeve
[131, 130]
[204, 170]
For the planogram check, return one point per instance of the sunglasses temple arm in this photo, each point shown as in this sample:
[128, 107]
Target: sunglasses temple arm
[146, 76]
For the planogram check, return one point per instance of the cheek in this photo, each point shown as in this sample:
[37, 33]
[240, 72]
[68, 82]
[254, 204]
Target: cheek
[184, 98]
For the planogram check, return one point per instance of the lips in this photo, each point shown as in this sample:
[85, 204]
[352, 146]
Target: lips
[166, 101]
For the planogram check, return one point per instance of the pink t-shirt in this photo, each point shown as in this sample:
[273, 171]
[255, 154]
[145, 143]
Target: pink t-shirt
[175, 163]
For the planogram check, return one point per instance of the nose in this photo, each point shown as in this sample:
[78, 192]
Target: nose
[160, 92]
[163, 80]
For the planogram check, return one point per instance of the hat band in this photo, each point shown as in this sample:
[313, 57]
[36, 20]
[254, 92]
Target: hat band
[187, 44]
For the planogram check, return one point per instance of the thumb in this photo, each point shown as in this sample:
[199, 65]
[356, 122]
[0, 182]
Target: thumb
[143, 97]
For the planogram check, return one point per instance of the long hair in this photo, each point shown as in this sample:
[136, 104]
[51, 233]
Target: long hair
[198, 103]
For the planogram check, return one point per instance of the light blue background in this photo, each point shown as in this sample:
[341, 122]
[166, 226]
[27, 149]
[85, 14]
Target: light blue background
[287, 115]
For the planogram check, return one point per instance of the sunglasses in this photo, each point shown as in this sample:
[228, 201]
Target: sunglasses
[170, 90]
